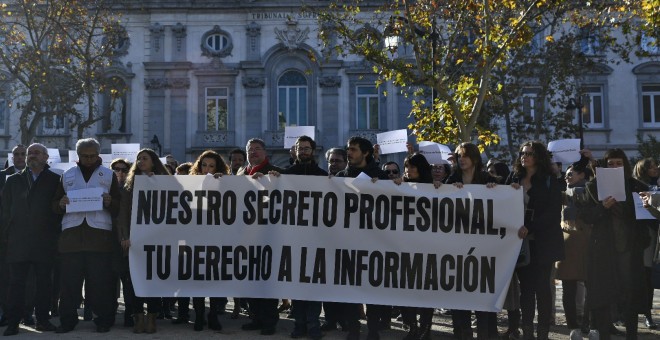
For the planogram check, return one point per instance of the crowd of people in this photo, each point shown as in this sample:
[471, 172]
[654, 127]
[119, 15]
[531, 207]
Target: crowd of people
[598, 249]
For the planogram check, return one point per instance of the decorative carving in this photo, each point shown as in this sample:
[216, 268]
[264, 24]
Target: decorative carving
[179, 83]
[330, 81]
[179, 32]
[155, 83]
[219, 137]
[292, 36]
[367, 134]
[156, 33]
[254, 81]
[253, 30]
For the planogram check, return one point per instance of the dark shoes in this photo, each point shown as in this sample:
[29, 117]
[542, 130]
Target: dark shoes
[63, 329]
[11, 330]
[45, 326]
[102, 329]
[327, 327]
[28, 320]
[3, 321]
[180, 321]
[214, 324]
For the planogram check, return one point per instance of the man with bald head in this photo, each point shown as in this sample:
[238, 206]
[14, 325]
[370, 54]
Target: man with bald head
[30, 229]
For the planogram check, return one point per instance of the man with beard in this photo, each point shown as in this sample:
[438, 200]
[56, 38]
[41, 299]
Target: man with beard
[360, 159]
[305, 313]
[87, 241]
[31, 229]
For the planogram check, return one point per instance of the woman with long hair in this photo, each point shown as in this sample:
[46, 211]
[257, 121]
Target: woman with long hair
[417, 169]
[615, 258]
[542, 227]
[146, 163]
[470, 170]
[209, 163]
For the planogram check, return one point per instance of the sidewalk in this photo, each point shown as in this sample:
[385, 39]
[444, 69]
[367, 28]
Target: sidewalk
[232, 328]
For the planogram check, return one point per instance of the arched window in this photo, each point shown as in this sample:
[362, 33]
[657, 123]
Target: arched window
[292, 99]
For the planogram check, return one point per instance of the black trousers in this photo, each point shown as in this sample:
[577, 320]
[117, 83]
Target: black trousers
[18, 274]
[265, 312]
[95, 268]
[535, 293]
[332, 312]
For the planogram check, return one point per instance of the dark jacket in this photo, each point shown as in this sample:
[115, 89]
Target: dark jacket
[614, 231]
[84, 237]
[543, 217]
[372, 170]
[311, 169]
[29, 226]
[482, 177]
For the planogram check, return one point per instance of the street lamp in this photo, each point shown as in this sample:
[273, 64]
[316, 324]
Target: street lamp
[576, 104]
[155, 144]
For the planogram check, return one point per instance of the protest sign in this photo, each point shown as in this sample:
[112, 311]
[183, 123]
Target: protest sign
[565, 150]
[392, 141]
[325, 239]
[435, 153]
[291, 134]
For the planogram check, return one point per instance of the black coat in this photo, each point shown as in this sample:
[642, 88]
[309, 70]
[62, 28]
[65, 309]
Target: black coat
[311, 169]
[29, 225]
[372, 170]
[543, 217]
[605, 243]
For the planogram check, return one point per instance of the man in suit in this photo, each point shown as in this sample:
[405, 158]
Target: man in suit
[30, 229]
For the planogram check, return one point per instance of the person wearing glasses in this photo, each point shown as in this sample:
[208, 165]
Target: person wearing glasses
[120, 167]
[532, 174]
[264, 311]
[336, 158]
[392, 170]
[305, 313]
[87, 240]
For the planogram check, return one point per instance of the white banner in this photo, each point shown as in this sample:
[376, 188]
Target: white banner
[325, 239]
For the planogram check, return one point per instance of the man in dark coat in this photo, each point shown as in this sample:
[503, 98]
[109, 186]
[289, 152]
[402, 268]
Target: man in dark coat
[18, 158]
[31, 229]
[360, 159]
[264, 311]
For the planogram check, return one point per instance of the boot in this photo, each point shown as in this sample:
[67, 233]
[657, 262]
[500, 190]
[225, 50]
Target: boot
[214, 324]
[138, 326]
[528, 332]
[150, 324]
[199, 320]
[412, 332]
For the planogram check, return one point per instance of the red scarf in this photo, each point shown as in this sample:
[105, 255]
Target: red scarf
[252, 170]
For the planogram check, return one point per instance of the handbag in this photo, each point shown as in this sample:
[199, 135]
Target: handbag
[524, 257]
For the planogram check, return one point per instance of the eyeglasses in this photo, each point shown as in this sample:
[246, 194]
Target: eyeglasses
[18, 154]
[305, 149]
[392, 172]
[122, 170]
[333, 161]
[526, 154]
[91, 156]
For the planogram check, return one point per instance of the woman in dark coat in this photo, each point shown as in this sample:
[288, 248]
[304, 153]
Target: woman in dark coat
[542, 196]
[417, 169]
[470, 170]
[615, 260]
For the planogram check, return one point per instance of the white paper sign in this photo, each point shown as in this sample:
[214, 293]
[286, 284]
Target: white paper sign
[126, 151]
[392, 141]
[611, 183]
[106, 159]
[54, 156]
[435, 153]
[641, 213]
[89, 199]
[10, 159]
[362, 175]
[60, 168]
[73, 156]
[291, 134]
[565, 150]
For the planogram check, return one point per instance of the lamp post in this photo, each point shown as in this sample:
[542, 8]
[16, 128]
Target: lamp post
[155, 144]
[576, 104]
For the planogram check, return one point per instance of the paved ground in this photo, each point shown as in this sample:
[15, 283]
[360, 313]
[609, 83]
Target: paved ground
[231, 328]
